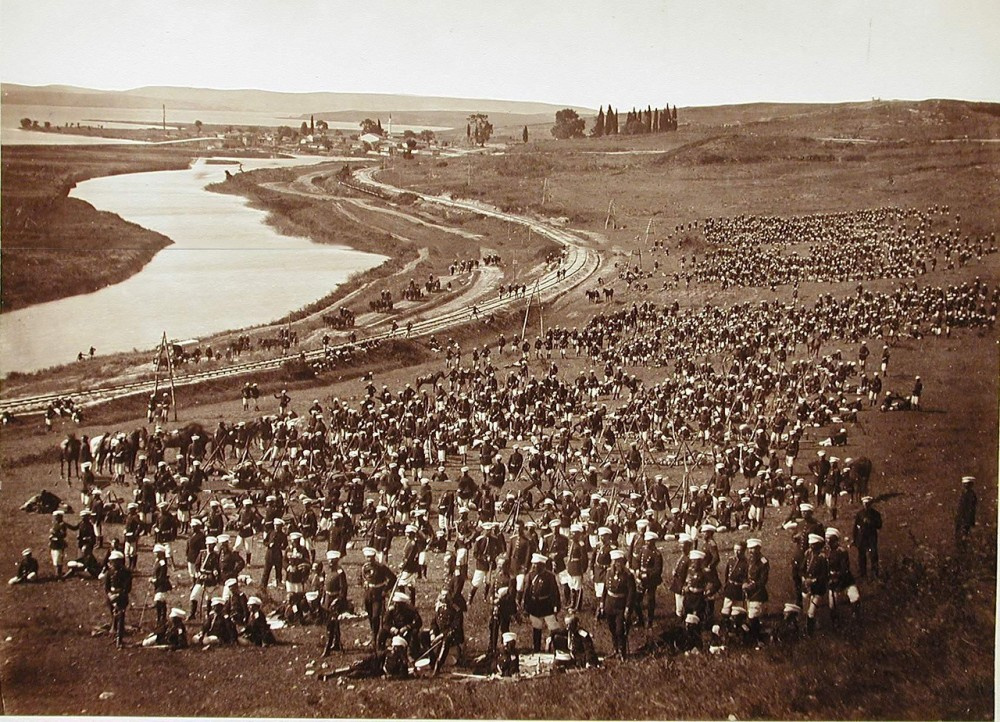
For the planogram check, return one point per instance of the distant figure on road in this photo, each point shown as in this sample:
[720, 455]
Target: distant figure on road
[965, 518]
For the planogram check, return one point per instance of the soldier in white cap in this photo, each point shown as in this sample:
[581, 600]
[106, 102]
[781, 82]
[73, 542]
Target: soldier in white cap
[965, 516]
[27, 569]
[401, 619]
[541, 600]
[57, 541]
[275, 542]
[867, 523]
[734, 578]
[841, 580]
[649, 576]
[618, 601]
[508, 661]
[679, 574]
[815, 579]
[377, 581]
[257, 629]
[755, 587]
[117, 587]
[160, 580]
[577, 560]
[334, 601]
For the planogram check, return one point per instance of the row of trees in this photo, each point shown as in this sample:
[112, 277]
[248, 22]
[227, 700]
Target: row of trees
[652, 120]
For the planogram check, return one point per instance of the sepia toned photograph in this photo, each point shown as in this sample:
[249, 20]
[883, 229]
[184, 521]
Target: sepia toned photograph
[525, 360]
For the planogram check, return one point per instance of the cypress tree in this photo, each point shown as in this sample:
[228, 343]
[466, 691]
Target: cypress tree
[379, 124]
[598, 129]
[524, 134]
[649, 119]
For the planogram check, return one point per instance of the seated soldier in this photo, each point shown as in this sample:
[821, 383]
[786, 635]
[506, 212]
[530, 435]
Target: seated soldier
[27, 569]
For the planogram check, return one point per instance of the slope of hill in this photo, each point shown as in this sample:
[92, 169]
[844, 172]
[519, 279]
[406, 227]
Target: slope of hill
[261, 100]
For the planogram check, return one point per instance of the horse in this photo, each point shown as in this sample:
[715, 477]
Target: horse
[69, 454]
[432, 379]
[181, 440]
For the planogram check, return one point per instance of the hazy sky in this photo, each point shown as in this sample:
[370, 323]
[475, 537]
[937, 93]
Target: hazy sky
[582, 52]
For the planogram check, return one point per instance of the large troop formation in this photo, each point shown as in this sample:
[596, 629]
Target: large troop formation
[546, 495]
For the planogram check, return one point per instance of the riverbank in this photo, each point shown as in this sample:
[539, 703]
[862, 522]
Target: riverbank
[55, 246]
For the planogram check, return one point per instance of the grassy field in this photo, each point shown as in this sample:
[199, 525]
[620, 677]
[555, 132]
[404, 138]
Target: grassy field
[925, 647]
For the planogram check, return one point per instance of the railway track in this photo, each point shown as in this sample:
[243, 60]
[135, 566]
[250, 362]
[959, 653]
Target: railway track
[579, 264]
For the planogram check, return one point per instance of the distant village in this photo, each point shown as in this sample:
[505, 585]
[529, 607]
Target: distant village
[312, 136]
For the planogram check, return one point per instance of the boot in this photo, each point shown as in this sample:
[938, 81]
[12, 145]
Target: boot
[194, 608]
[810, 626]
[536, 640]
[856, 609]
[472, 595]
[59, 571]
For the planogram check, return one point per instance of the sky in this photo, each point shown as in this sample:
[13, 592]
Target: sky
[578, 52]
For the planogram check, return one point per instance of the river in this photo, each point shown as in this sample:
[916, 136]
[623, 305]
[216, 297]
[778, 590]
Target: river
[227, 269]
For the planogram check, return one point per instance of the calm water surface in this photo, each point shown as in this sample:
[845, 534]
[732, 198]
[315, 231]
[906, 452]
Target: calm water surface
[226, 269]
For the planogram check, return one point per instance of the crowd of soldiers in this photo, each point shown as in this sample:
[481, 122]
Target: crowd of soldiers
[564, 493]
[888, 242]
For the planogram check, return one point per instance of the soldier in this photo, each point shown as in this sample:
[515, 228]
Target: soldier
[176, 633]
[409, 569]
[297, 568]
[485, 551]
[679, 574]
[755, 587]
[617, 602]
[247, 525]
[694, 584]
[257, 629]
[334, 601]
[448, 625]
[649, 575]
[275, 541]
[815, 579]
[576, 565]
[503, 612]
[965, 517]
[519, 551]
[194, 546]
[207, 575]
[401, 619]
[380, 536]
[841, 579]
[27, 569]
[117, 587]
[732, 585]
[376, 580]
[580, 644]
[86, 533]
[133, 528]
[508, 662]
[57, 541]
[601, 561]
[161, 584]
[541, 600]
[867, 523]
[217, 628]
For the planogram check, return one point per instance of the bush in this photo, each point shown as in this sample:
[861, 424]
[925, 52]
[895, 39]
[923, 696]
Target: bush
[297, 370]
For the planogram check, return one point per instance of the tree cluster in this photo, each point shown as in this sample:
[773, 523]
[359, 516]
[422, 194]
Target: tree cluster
[479, 129]
[651, 120]
[568, 124]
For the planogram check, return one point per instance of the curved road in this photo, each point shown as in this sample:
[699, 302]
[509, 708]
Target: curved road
[580, 262]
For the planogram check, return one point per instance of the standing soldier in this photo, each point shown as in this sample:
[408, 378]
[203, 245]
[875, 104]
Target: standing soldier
[815, 579]
[841, 579]
[161, 585]
[194, 546]
[541, 599]
[867, 522]
[334, 601]
[485, 551]
[617, 602]
[732, 584]
[576, 565]
[117, 587]
[650, 575]
[965, 517]
[755, 587]
[207, 574]
[679, 574]
[275, 542]
[601, 561]
[377, 580]
[57, 541]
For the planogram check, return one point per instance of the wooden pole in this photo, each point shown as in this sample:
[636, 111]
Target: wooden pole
[170, 369]
[541, 325]
[524, 326]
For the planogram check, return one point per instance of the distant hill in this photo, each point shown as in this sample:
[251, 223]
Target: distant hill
[267, 101]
